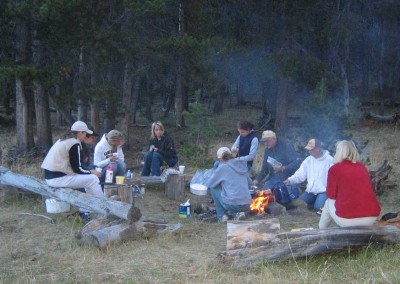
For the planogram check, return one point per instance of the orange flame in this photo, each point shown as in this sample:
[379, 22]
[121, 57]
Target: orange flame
[260, 202]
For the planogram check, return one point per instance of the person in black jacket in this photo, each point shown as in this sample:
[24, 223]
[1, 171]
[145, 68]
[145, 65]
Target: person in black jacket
[161, 149]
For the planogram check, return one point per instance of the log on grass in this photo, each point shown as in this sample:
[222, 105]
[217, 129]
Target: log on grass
[384, 118]
[292, 245]
[104, 231]
[100, 205]
[255, 233]
[379, 175]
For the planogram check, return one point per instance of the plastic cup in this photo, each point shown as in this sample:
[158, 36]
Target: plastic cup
[182, 169]
[120, 179]
[98, 169]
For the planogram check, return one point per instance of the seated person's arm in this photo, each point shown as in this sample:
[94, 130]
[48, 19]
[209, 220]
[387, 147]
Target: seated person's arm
[75, 160]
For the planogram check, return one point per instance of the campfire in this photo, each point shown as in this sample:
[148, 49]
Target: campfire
[260, 202]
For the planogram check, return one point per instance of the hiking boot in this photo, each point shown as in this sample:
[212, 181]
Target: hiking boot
[240, 216]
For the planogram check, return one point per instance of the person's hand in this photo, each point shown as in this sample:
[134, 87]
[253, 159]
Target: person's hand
[286, 182]
[278, 169]
[235, 151]
[155, 149]
[96, 173]
[255, 182]
[113, 159]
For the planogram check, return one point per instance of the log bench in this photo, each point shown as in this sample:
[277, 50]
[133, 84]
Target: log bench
[174, 183]
[252, 242]
[121, 221]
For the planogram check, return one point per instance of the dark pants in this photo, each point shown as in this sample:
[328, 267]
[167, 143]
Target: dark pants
[153, 162]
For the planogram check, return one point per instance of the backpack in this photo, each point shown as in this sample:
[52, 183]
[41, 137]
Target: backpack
[281, 193]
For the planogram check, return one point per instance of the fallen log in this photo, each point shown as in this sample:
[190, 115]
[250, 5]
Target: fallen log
[384, 118]
[100, 205]
[379, 175]
[104, 231]
[292, 245]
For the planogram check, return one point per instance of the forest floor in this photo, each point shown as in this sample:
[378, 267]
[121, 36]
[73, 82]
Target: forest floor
[34, 250]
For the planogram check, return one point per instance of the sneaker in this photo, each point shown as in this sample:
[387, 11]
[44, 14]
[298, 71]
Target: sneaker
[223, 219]
[240, 216]
[319, 212]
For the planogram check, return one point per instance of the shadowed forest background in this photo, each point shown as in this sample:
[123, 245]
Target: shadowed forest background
[104, 62]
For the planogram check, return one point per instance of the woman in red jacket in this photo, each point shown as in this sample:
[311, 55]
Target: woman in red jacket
[351, 199]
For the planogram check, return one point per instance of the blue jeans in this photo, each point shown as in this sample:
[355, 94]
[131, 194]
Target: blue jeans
[119, 170]
[221, 208]
[292, 188]
[314, 201]
[153, 162]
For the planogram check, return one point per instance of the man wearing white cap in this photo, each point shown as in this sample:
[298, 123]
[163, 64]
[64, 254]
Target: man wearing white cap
[280, 160]
[314, 169]
[62, 164]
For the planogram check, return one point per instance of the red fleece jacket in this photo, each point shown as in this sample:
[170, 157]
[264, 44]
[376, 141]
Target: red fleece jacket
[350, 185]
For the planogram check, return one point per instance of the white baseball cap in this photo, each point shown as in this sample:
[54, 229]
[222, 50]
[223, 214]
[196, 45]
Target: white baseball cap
[221, 152]
[81, 126]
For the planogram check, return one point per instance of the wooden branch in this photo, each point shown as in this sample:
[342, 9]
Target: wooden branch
[311, 242]
[384, 118]
[38, 215]
[100, 205]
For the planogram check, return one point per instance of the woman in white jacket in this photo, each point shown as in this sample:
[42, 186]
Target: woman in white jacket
[314, 169]
[108, 152]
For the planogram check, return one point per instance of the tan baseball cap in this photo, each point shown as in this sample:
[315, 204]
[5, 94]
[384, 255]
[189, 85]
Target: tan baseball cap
[267, 134]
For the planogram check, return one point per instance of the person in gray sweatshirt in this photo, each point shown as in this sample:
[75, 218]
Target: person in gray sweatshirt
[230, 187]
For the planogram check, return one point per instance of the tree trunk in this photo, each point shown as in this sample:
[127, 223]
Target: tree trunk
[135, 97]
[43, 123]
[346, 92]
[127, 99]
[25, 140]
[61, 109]
[78, 86]
[282, 106]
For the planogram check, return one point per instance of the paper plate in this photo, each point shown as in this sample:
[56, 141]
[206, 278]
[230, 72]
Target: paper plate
[198, 189]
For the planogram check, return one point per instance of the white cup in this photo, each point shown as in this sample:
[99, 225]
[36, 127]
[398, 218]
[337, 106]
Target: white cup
[182, 169]
[98, 169]
[115, 155]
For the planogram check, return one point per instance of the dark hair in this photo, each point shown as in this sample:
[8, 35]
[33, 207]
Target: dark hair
[69, 134]
[245, 125]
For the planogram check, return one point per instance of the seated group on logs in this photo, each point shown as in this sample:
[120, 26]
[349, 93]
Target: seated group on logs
[338, 188]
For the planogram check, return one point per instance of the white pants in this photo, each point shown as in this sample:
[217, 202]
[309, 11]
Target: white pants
[329, 214]
[90, 182]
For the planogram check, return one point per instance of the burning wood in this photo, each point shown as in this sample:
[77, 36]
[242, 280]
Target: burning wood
[260, 201]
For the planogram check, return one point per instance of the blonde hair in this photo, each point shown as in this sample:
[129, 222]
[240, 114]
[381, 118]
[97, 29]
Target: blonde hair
[153, 126]
[346, 150]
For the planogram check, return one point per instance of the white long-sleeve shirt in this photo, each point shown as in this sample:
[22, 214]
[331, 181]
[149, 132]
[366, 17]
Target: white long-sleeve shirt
[102, 153]
[315, 171]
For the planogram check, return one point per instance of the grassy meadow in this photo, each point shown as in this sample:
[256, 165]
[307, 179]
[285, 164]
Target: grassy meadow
[33, 250]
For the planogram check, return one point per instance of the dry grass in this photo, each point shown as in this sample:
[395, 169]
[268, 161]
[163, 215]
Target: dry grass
[32, 250]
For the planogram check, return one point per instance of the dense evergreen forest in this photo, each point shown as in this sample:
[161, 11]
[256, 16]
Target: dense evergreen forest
[104, 61]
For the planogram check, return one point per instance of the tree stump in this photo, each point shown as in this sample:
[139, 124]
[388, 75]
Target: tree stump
[174, 187]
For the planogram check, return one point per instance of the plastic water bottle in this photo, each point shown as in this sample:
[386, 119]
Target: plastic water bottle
[129, 174]
[109, 174]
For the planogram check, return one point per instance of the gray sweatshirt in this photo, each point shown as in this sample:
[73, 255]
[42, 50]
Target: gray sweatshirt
[232, 178]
